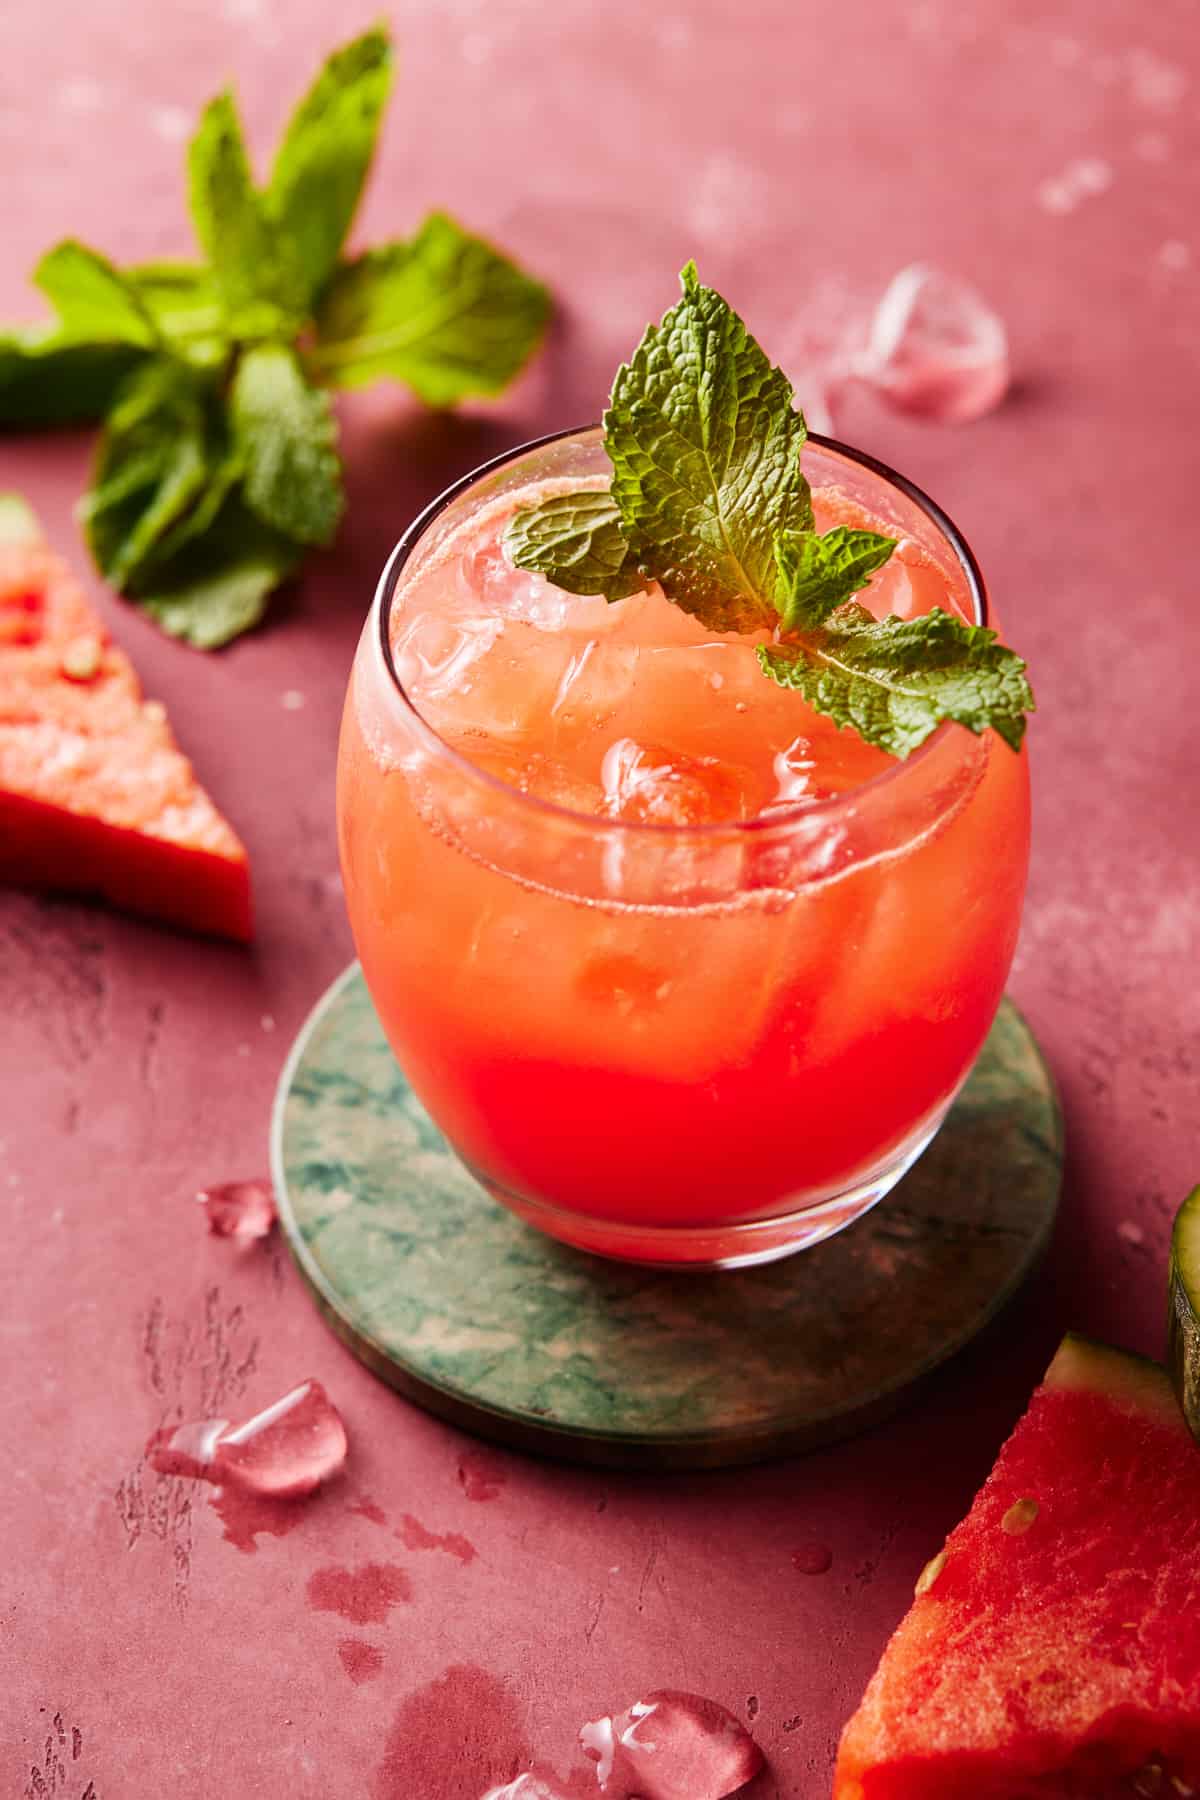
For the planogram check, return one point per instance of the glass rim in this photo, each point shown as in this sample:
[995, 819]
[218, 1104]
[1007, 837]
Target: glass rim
[782, 817]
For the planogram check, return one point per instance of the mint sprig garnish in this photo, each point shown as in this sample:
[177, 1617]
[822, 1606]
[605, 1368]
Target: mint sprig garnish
[896, 680]
[577, 539]
[705, 448]
[709, 499]
[218, 465]
[818, 571]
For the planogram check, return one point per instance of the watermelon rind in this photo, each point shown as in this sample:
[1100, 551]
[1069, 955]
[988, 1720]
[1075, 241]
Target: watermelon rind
[18, 521]
[1183, 1310]
[1135, 1383]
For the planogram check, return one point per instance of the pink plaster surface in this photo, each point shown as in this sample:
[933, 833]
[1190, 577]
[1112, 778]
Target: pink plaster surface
[147, 1644]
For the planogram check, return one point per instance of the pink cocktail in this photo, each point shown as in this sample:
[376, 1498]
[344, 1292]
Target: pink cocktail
[685, 973]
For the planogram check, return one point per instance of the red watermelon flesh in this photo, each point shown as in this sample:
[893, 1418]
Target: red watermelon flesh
[95, 795]
[1055, 1652]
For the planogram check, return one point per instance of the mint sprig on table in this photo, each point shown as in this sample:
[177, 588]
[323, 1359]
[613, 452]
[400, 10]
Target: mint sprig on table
[708, 498]
[218, 465]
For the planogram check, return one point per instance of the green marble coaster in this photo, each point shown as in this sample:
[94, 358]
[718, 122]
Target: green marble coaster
[505, 1332]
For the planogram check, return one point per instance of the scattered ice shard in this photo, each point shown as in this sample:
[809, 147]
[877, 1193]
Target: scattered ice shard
[239, 1209]
[283, 1452]
[671, 1746]
[934, 348]
[289, 1449]
[929, 346]
[528, 1787]
[186, 1449]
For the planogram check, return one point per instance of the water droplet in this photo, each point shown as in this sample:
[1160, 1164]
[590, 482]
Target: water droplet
[1154, 82]
[671, 1746]
[239, 1209]
[285, 1451]
[812, 1559]
[171, 123]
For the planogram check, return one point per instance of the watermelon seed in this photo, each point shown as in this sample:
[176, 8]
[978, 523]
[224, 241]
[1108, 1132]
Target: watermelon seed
[1148, 1780]
[81, 659]
[1019, 1517]
[930, 1573]
[1181, 1787]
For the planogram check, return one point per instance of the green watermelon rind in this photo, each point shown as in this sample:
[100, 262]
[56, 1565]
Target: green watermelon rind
[1183, 1310]
[1134, 1383]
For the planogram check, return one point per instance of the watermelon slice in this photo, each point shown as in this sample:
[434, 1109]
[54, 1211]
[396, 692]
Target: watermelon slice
[95, 795]
[1053, 1649]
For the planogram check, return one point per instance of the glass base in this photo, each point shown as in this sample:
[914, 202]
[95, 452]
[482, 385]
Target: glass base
[744, 1245]
[498, 1329]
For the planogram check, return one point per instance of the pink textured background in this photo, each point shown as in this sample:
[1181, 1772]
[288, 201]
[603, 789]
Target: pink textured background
[778, 143]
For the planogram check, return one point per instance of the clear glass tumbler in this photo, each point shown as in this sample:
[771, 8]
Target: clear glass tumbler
[702, 1044]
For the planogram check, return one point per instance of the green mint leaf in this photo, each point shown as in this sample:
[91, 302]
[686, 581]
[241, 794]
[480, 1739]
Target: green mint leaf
[46, 379]
[895, 680]
[819, 573]
[705, 446]
[152, 463]
[445, 313]
[576, 541]
[217, 584]
[183, 301]
[325, 156]
[248, 268]
[223, 478]
[95, 303]
[285, 436]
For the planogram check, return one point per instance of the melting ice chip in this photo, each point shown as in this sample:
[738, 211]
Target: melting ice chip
[239, 1209]
[527, 1787]
[649, 785]
[671, 1746]
[935, 348]
[930, 346]
[283, 1452]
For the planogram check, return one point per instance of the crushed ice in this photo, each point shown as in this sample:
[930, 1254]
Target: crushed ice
[671, 1746]
[929, 346]
[240, 1209]
[283, 1452]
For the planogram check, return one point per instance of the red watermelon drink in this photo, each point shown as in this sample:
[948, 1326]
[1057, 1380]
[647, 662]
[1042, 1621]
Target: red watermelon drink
[685, 972]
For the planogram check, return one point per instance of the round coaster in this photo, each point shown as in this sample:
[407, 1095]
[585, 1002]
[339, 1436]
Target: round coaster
[509, 1334]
